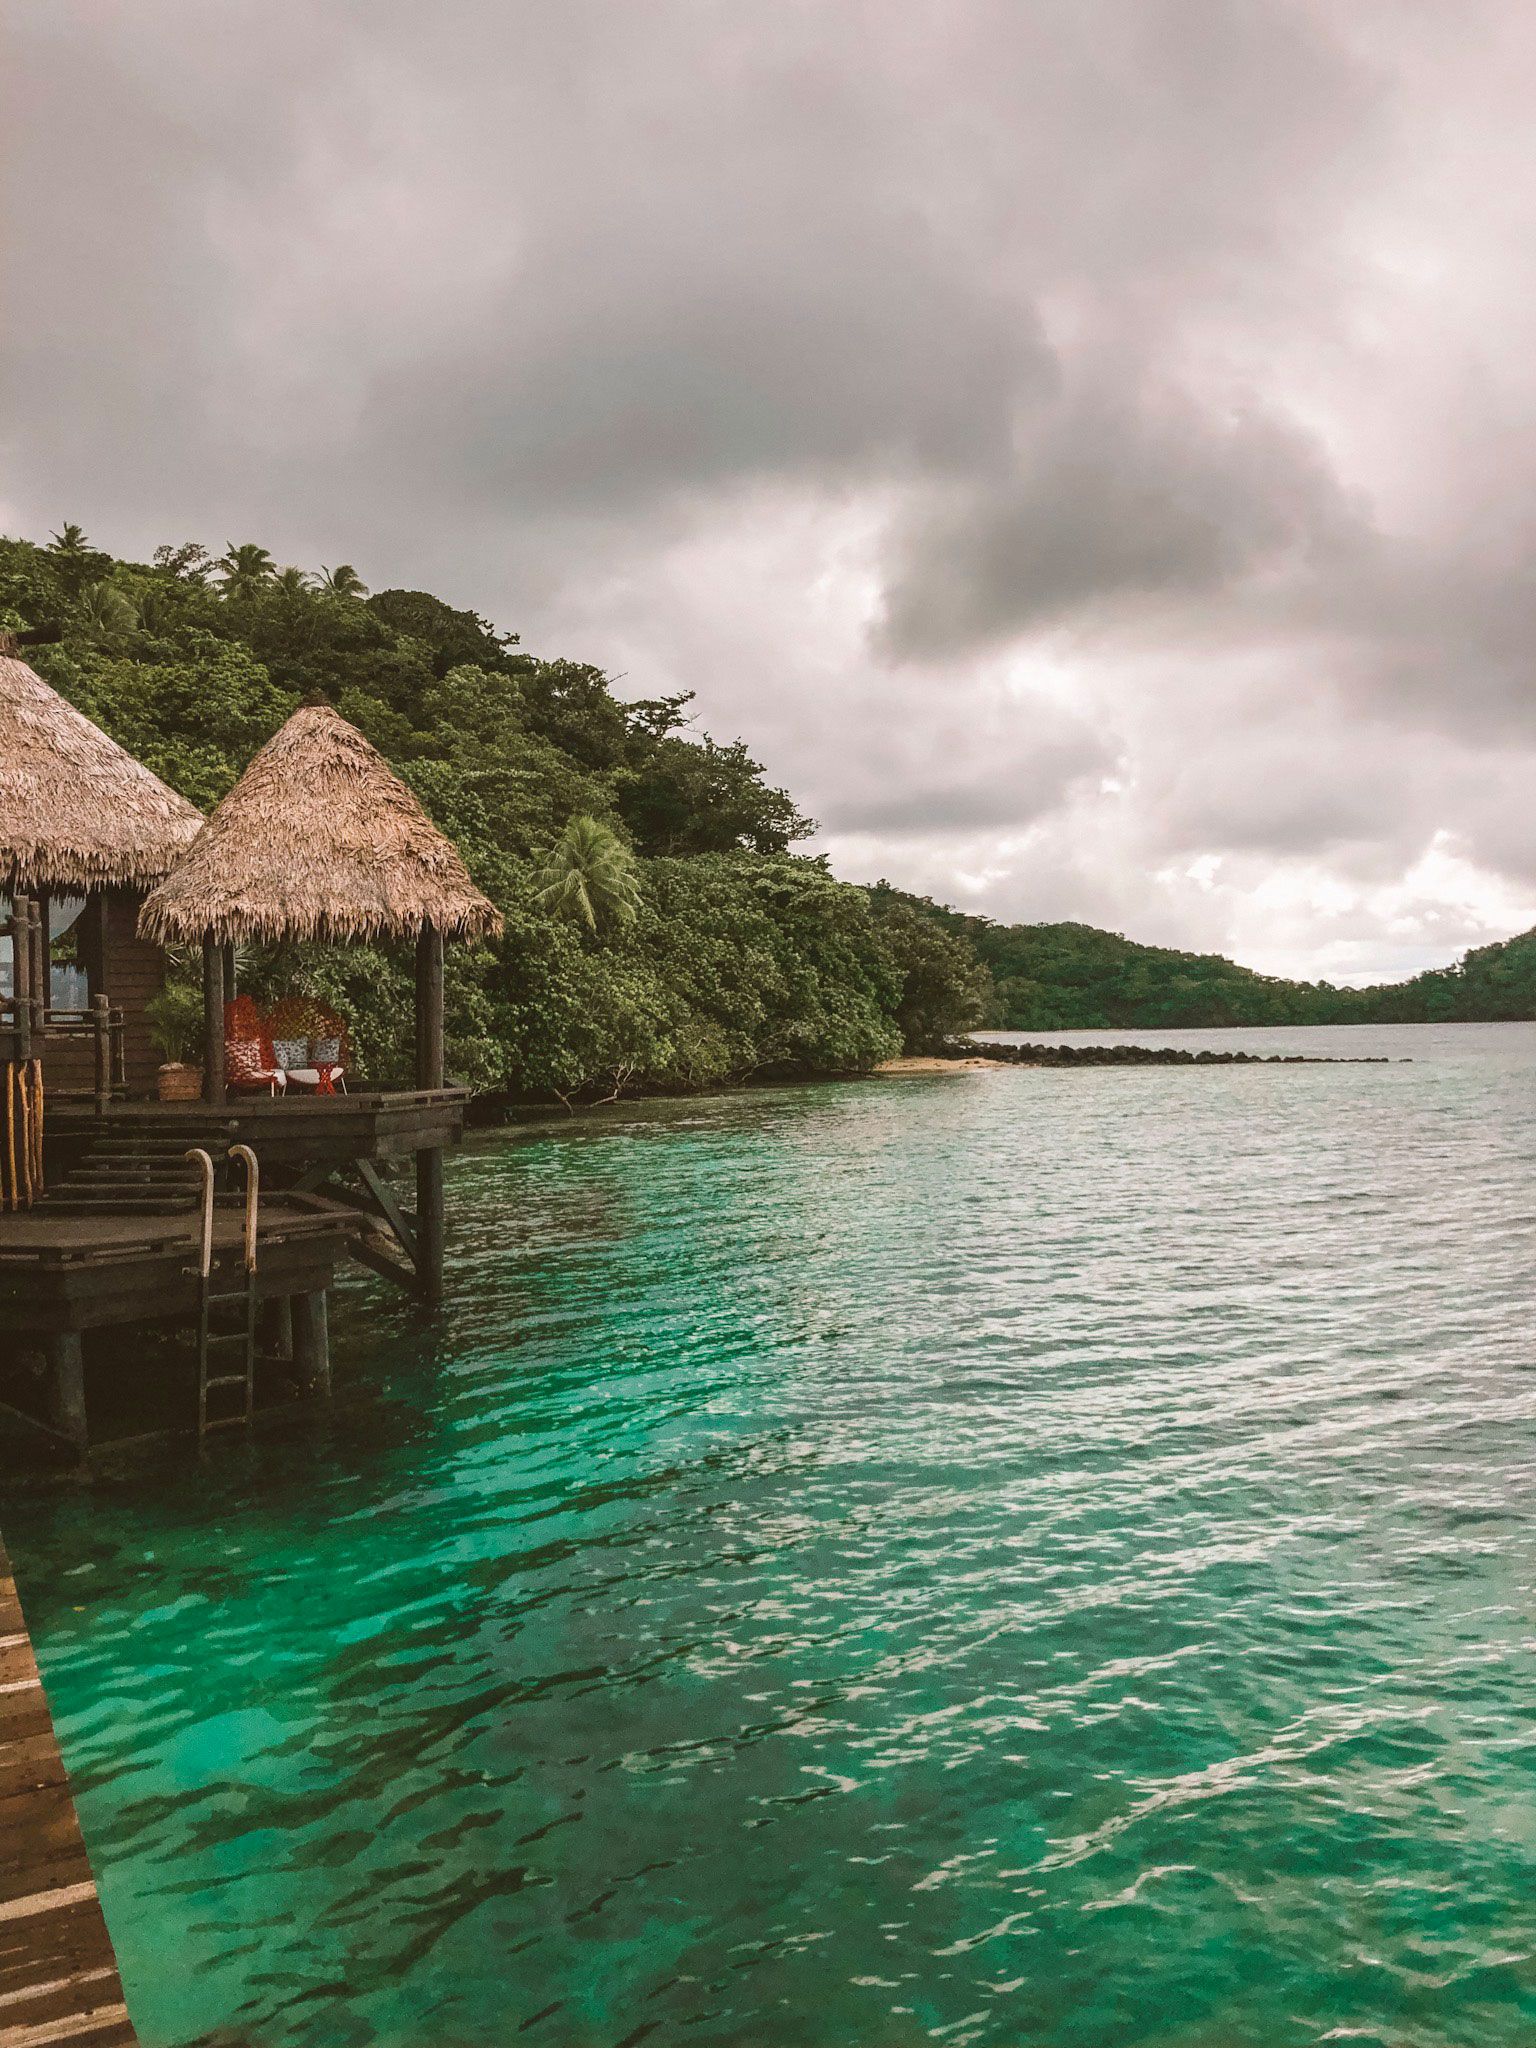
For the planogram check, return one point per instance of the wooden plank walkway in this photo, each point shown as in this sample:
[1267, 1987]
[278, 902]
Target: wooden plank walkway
[58, 1975]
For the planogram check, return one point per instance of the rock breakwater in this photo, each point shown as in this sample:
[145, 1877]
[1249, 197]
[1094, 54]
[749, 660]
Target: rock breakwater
[1145, 1056]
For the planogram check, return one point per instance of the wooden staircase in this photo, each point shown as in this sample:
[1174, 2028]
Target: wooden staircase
[139, 1175]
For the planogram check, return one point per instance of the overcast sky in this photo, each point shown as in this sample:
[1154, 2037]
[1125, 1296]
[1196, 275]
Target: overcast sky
[1088, 450]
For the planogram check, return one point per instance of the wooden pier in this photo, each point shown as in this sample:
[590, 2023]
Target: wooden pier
[347, 1148]
[58, 1975]
[68, 1281]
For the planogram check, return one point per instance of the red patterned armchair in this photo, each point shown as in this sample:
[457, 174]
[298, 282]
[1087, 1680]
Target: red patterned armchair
[249, 1061]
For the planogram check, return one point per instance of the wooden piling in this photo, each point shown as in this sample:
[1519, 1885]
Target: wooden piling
[64, 1356]
[312, 1342]
[429, 1074]
[279, 1328]
[430, 1220]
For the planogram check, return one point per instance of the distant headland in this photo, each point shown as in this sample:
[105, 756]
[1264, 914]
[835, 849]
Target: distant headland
[1074, 977]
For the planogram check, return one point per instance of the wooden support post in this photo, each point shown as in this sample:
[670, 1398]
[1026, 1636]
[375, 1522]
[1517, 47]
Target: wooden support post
[21, 973]
[42, 964]
[429, 1225]
[429, 1008]
[213, 1021]
[279, 1327]
[101, 1017]
[429, 1074]
[312, 1342]
[65, 1362]
[93, 942]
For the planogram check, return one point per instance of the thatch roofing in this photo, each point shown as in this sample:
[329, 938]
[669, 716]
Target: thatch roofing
[319, 839]
[76, 811]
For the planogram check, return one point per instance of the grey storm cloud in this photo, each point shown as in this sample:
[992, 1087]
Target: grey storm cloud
[1100, 429]
[1112, 501]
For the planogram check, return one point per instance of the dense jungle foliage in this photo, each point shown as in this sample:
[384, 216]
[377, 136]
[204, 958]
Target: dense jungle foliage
[659, 931]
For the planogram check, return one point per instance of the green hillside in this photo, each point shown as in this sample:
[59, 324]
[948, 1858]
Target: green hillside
[1061, 977]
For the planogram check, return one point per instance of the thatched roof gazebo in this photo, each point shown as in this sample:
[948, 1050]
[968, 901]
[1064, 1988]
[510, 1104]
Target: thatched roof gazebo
[320, 839]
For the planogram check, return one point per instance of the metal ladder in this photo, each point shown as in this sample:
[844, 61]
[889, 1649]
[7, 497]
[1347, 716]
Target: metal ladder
[243, 1297]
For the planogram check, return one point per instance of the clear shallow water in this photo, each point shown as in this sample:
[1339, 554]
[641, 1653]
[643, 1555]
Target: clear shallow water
[1023, 1557]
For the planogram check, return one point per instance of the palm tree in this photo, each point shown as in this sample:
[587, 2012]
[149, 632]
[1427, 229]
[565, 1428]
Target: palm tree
[293, 582]
[246, 569]
[72, 551]
[342, 581]
[589, 875]
[103, 612]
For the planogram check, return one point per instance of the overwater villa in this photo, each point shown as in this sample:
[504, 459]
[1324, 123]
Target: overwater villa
[85, 831]
[117, 1205]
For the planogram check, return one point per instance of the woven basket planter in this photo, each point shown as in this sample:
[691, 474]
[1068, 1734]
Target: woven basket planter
[180, 1083]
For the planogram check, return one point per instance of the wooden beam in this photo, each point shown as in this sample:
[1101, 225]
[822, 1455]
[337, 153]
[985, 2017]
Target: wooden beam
[389, 1208]
[213, 1021]
[371, 1254]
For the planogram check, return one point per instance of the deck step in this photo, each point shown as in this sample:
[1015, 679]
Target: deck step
[136, 1170]
[170, 1146]
[124, 1208]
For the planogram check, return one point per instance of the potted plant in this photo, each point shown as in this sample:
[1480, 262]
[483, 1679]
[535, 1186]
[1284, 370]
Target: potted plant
[175, 1018]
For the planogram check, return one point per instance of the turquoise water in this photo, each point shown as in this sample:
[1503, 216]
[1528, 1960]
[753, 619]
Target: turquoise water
[1011, 1558]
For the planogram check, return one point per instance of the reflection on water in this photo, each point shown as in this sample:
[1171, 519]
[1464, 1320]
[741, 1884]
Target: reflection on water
[1024, 1557]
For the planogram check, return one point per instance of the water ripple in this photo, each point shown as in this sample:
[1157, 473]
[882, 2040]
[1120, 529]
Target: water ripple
[1015, 1558]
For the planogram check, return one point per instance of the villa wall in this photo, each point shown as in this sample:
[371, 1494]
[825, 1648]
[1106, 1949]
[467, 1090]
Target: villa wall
[134, 971]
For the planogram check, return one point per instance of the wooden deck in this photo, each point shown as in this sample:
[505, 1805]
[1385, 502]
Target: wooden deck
[345, 1147]
[296, 1132]
[58, 1975]
[70, 1283]
[88, 1272]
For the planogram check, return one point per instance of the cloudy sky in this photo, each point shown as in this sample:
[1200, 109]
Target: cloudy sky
[1087, 447]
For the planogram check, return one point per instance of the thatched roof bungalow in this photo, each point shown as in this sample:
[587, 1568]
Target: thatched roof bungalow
[84, 830]
[319, 839]
[76, 811]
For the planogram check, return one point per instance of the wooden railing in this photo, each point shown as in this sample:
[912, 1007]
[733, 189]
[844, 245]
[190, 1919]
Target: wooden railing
[28, 1021]
[103, 1025]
